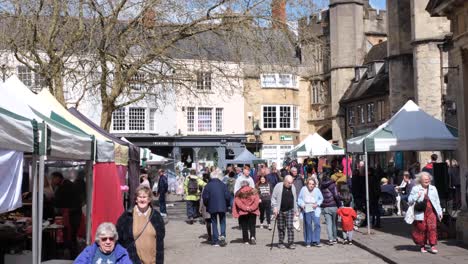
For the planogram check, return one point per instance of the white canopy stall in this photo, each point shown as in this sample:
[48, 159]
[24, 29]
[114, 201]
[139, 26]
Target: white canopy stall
[53, 139]
[315, 145]
[410, 129]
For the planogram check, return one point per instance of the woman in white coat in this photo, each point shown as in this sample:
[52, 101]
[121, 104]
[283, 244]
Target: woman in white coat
[427, 211]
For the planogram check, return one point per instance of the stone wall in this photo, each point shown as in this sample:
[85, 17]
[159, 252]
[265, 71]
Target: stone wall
[427, 81]
[400, 60]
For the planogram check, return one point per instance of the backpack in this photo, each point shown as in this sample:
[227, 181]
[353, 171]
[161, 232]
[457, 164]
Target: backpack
[192, 186]
[231, 182]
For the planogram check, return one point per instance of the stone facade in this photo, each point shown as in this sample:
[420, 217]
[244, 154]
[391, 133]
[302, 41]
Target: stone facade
[347, 31]
[415, 60]
[291, 107]
[456, 11]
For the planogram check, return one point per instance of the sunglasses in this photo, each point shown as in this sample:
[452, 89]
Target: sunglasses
[104, 239]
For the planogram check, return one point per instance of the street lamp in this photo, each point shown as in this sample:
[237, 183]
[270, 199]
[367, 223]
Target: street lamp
[257, 131]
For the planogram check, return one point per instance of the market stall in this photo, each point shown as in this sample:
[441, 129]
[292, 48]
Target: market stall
[315, 145]
[410, 129]
[123, 149]
[52, 140]
[245, 157]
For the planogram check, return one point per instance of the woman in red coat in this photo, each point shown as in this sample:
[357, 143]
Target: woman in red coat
[348, 215]
[245, 208]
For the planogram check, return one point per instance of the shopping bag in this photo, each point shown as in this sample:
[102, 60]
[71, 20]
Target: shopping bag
[409, 217]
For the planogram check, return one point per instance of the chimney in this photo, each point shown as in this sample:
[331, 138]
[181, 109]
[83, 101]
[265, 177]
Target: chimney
[149, 19]
[278, 13]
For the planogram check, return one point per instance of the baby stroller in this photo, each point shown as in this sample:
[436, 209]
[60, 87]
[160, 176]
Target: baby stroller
[387, 203]
[360, 219]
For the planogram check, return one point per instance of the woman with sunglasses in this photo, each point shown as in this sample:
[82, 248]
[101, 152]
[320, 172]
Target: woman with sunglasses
[141, 230]
[105, 249]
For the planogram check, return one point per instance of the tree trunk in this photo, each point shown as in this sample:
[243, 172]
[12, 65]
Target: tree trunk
[57, 88]
[106, 115]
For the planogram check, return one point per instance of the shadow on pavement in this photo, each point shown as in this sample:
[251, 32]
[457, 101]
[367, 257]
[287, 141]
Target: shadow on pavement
[412, 248]
[237, 241]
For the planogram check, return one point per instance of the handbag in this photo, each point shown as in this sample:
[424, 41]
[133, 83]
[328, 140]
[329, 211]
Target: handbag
[421, 206]
[409, 217]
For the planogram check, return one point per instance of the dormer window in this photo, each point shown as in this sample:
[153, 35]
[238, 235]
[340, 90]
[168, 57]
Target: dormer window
[358, 73]
[370, 71]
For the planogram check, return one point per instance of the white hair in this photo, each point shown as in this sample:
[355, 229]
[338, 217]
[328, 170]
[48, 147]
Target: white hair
[421, 174]
[288, 178]
[294, 169]
[106, 229]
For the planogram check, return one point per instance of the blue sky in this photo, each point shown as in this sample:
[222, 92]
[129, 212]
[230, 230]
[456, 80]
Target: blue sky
[379, 4]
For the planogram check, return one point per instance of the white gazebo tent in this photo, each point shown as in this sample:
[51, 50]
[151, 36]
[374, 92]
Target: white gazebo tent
[410, 129]
[315, 145]
[54, 140]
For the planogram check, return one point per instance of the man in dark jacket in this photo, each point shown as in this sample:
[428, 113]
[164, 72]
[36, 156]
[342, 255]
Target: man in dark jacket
[162, 190]
[216, 199]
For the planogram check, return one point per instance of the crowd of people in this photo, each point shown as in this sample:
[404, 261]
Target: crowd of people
[307, 191]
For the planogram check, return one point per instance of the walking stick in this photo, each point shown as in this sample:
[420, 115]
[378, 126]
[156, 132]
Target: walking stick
[273, 236]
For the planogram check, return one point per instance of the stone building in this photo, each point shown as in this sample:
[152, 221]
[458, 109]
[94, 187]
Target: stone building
[417, 63]
[365, 102]
[457, 12]
[347, 31]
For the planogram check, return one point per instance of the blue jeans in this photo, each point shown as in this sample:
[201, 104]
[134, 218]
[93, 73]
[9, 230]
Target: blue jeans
[330, 219]
[231, 201]
[311, 228]
[214, 226]
[162, 204]
[192, 211]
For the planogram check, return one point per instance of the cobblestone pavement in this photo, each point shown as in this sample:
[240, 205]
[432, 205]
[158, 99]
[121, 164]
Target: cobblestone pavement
[186, 244]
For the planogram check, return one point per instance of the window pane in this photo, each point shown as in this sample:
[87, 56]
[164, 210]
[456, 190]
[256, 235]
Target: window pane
[360, 110]
[219, 119]
[152, 119]
[351, 116]
[285, 117]
[269, 80]
[191, 119]
[204, 119]
[118, 119]
[39, 81]
[269, 117]
[25, 75]
[295, 118]
[370, 112]
[137, 82]
[136, 119]
[203, 80]
[285, 80]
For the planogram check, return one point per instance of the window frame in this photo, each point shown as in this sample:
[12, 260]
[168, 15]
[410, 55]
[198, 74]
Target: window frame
[219, 119]
[351, 116]
[215, 121]
[204, 125]
[120, 112]
[279, 83]
[204, 81]
[137, 122]
[276, 118]
[362, 114]
[370, 112]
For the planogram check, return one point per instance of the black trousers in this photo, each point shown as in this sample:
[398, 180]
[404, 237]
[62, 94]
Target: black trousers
[265, 208]
[247, 223]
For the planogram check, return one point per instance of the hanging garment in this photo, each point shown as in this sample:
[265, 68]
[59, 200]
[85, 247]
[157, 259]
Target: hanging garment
[11, 176]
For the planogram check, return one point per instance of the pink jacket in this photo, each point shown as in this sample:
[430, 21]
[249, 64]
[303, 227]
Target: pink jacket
[246, 202]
